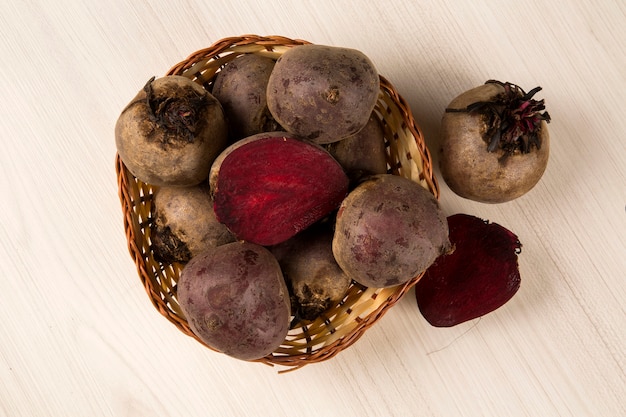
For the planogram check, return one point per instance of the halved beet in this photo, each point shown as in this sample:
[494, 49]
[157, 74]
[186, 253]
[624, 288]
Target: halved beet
[270, 188]
[479, 276]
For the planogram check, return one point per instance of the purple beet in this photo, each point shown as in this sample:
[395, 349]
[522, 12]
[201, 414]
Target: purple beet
[479, 276]
[273, 185]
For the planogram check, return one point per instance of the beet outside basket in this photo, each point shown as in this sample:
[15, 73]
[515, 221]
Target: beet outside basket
[340, 326]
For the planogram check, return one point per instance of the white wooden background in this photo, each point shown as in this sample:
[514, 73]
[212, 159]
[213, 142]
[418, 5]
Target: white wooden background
[78, 335]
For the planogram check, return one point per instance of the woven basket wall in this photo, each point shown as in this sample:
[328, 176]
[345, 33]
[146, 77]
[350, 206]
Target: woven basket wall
[340, 326]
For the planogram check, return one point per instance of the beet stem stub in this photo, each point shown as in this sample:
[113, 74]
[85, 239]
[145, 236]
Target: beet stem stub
[270, 189]
[513, 118]
[177, 114]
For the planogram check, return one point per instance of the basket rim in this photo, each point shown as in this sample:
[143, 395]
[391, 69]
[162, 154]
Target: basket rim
[125, 180]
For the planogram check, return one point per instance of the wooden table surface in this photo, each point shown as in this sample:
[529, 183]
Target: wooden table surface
[78, 335]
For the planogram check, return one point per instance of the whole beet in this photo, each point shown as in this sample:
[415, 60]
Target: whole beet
[323, 93]
[241, 89]
[235, 300]
[389, 229]
[315, 280]
[495, 143]
[363, 153]
[171, 132]
[185, 224]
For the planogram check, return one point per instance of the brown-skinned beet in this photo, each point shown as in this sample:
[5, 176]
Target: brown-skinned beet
[241, 89]
[494, 143]
[363, 153]
[480, 275]
[185, 224]
[268, 189]
[171, 132]
[314, 279]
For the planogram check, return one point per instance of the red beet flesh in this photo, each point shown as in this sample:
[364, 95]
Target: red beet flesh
[270, 189]
[478, 277]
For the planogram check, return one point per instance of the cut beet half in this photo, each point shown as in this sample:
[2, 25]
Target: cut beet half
[479, 276]
[269, 189]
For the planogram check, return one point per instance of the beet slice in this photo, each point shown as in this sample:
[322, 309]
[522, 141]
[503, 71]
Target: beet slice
[269, 189]
[479, 276]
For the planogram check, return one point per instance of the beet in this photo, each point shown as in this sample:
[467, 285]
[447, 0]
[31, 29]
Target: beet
[240, 87]
[315, 280]
[479, 276]
[363, 153]
[323, 93]
[235, 300]
[170, 133]
[269, 189]
[389, 229]
[184, 224]
[494, 143]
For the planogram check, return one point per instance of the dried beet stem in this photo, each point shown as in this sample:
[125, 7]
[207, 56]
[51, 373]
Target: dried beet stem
[513, 118]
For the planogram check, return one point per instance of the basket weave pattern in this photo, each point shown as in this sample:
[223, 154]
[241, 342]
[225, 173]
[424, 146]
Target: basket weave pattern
[341, 325]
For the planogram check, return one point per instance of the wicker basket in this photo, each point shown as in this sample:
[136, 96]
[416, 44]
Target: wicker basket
[341, 325]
